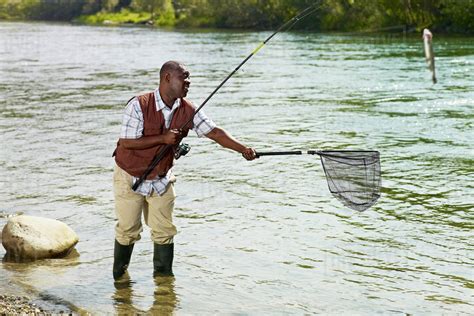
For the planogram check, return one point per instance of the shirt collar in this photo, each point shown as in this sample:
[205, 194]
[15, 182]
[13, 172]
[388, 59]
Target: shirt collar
[160, 104]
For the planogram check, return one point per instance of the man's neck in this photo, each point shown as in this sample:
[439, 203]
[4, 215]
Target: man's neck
[169, 101]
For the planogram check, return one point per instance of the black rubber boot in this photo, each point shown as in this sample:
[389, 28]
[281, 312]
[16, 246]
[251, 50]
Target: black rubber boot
[122, 256]
[163, 260]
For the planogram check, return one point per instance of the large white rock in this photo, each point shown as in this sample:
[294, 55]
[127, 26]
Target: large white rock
[37, 237]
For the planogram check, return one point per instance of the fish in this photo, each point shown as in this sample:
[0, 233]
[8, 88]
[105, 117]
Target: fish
[429, 54]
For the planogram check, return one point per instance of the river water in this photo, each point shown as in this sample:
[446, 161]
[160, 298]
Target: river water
[260, 237]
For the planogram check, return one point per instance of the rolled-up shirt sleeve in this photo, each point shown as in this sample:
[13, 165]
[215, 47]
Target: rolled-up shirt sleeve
[132, 121]
[202, 124]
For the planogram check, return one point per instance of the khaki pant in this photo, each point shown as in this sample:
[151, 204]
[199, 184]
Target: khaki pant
[157, 211]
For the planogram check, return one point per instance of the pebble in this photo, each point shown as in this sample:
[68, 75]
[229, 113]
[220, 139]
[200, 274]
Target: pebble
[22, 305]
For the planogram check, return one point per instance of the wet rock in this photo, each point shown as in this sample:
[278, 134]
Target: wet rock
[31, 237]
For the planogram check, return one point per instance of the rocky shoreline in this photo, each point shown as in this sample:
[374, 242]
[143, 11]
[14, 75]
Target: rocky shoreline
[23, 305]
[17, 304]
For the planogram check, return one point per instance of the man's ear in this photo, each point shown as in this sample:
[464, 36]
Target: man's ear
[167, 77]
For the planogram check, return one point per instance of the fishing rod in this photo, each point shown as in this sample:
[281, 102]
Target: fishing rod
[286, 26]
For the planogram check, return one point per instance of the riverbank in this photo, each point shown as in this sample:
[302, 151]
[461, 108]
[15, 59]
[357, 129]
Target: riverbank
[117, 18]
[24, 298]
[329, 16]
[15, 305]
[15, 299]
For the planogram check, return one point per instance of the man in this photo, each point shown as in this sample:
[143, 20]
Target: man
[151, 122]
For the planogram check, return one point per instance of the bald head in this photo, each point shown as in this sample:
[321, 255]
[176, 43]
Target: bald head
[170, 67]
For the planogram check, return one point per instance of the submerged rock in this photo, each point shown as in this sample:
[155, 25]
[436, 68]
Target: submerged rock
[31, 237]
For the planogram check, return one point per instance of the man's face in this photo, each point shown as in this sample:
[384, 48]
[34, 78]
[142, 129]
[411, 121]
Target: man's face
[180, 82]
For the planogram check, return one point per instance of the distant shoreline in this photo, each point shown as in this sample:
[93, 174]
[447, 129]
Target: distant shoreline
[383, 32]
[139, 19]
[454, 17]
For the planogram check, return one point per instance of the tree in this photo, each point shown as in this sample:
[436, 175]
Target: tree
[164, 8]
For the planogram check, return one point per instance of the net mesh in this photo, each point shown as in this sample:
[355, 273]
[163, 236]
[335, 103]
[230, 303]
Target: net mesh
[353, 176]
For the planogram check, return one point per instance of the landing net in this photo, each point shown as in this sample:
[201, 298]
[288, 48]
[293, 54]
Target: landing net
[353, 176]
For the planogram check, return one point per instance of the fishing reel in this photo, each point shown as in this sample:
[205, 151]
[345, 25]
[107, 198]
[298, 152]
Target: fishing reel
[181, 150]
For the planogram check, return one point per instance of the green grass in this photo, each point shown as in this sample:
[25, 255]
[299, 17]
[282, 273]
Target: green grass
[122, 17]
[127, 16]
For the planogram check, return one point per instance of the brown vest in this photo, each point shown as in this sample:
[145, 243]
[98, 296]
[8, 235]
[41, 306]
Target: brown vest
[135, 162]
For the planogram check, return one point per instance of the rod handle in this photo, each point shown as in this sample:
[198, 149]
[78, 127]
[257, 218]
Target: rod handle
[137, 184]
[277, 153]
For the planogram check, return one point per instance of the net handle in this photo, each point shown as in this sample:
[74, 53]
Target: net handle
[326, 153]
[285, 153]
[277, 153]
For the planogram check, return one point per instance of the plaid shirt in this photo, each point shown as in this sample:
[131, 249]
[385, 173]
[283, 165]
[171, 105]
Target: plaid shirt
[132, 128]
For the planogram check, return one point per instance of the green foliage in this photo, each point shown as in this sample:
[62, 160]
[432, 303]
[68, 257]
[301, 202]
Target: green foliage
[122, 17]
[166, 14]
[161, 11]
[91, 6]
[194, 13]
[456, 17]
[345, 15]
[40, 9]
[18, 9]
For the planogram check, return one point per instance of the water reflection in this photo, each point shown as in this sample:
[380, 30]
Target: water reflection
[165, 299]
[123, 296]
[164, 296]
